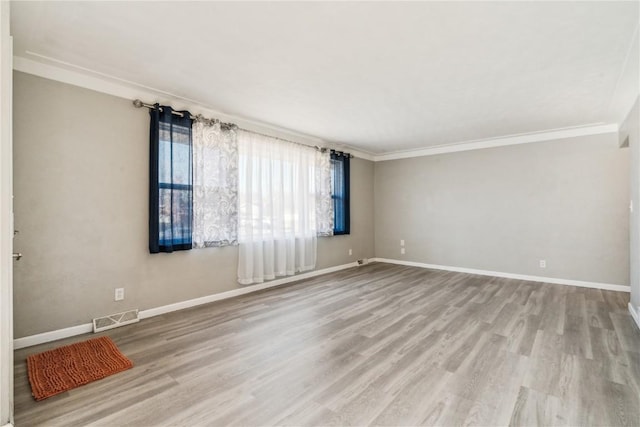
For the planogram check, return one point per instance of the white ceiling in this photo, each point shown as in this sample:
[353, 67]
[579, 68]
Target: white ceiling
[380, 77]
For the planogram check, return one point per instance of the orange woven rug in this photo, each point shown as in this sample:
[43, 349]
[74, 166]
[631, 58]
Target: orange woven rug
[61, 369]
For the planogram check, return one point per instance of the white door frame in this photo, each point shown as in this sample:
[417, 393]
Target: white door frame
[6, 217]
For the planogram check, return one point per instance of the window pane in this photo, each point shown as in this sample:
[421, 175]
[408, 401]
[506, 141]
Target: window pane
[338, 206]
[164, 217]
[337, 168]
[174, 216]
[174, 156]
[181, 163]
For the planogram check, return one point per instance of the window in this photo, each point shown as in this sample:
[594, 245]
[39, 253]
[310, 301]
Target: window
[171, 184]
[340, 192]
[208, 189]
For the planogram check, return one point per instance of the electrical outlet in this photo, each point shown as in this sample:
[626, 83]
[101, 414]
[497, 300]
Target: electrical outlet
[350, 252]
[402, 242]
[543, 263]
[119, 295]
[402, 251]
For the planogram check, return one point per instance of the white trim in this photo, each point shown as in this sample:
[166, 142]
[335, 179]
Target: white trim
[240, 291]
[65, 72]
[553, 280]
[634, 314]
[526, 138]
[58, 334]
[6, 216]
[144, 314]
[8, 425]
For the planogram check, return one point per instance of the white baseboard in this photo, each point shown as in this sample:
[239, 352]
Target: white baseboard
[58, 334]
[553, 280]
[634, 314]
[144, 314]
[240, 291]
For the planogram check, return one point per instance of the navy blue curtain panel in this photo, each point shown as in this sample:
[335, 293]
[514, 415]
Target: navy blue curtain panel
[170, 180]
[341, 186]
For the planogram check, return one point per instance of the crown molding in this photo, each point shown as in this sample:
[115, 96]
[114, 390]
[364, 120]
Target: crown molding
[526, 138]
[64, 72]
[68, 73]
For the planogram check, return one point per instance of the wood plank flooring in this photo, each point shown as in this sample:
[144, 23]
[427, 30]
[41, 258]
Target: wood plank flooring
[375, 345]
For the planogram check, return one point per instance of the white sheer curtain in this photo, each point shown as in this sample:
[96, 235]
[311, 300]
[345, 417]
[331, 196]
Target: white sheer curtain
[280, 188]
[215, 185]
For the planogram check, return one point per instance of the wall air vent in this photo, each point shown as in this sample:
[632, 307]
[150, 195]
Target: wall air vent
[115, 320]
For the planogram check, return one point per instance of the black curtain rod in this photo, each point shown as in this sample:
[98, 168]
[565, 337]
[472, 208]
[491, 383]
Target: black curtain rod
[139, 104]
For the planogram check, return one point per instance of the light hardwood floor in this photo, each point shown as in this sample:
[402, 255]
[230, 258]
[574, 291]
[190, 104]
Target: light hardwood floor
[375, 345]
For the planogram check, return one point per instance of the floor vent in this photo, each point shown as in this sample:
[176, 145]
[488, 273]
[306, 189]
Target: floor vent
[115, 320]
[363, 261]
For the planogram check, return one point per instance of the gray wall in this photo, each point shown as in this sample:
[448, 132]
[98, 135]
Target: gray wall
[81, 183]
[503, 209]
[631, 129]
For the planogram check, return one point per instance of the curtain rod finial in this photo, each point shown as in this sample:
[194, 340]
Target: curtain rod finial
[137, 103]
